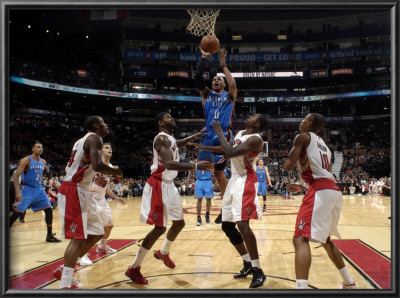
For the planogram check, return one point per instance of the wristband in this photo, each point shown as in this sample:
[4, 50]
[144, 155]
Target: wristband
[222, 66]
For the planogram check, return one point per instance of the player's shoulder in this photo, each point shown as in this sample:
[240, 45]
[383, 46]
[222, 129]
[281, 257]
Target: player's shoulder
[93, 140]
[24, 160]
[304, 136]
[162, 138]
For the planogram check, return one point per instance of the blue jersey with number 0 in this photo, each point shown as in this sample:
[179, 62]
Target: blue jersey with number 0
[219, 107]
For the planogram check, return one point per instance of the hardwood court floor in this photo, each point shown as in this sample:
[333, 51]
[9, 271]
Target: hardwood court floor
[204, 257]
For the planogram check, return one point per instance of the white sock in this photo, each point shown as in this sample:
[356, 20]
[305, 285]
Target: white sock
[255, 263]
[166, 246]
[345, 276]
[301, 283]
[66, 277]
[103, 242]
[139, 257]
[246, 257]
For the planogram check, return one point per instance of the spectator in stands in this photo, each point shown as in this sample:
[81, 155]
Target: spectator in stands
[51, 191]
[352, 189]
[126, 191]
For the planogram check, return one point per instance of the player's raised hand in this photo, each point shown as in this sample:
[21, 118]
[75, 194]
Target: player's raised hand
[222, 56]
[199, 135]
[204, 54]
[217, 127]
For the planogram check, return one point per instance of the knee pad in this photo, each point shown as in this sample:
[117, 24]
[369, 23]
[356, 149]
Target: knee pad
[232, 232]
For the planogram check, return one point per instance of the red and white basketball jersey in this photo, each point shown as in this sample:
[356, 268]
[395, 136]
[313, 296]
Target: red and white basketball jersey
[314, 162]
[158, 168]
[244, 164]
[79, 168]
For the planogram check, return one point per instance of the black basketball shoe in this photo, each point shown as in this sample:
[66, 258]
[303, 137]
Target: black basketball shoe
[51, 238]
[258, 278]
[207, 216]
[247, 269]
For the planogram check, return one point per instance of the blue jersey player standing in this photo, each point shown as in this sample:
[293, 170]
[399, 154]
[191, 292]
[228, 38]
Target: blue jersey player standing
[218, 105]
[262, 175]
[31, 192]
[203, 188]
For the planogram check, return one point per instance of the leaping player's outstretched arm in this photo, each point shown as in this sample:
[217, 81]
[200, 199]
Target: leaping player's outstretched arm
[204, 90]
[229, 78]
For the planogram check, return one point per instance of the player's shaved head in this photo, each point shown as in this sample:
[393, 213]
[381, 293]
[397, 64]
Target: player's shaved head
[90, 122]
[318, 122]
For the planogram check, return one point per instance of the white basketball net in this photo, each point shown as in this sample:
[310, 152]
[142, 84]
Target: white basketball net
[203, 21]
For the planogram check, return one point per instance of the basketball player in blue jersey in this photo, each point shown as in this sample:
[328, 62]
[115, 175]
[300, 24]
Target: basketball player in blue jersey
[262, 175]
[203, 188]
[31, 192]
[218, 106]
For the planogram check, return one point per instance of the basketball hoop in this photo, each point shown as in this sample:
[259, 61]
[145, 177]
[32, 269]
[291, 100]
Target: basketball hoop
[202, 21]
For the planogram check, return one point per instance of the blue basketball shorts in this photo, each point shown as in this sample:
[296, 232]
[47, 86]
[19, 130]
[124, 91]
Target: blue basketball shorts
[262, 188]
[203, 188]
[35, 197]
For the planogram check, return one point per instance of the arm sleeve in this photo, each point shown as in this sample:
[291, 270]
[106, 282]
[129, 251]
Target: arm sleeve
[199, 74]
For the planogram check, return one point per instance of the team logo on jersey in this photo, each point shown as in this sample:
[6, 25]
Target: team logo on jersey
[248, 209]
[155, 216]
[301, 225]
[73, 227]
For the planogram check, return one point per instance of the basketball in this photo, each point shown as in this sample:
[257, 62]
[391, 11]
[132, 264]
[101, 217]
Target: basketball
[210, 44]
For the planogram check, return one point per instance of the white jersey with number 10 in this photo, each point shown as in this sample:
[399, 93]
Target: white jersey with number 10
[314, 162]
